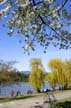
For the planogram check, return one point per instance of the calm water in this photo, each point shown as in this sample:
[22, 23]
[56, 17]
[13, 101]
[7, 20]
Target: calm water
[22, 87]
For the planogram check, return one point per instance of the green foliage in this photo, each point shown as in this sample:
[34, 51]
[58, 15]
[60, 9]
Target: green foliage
[19, 77]
[58, 73]
[66, 104]
[10, 75]
[45, 22]
[37, 74]
[52, 79]
[67, 68]
[8, 99]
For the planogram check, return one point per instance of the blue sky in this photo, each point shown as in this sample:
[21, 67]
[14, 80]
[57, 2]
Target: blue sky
[11, 49]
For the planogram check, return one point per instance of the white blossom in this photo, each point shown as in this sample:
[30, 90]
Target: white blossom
[22, 3]
[5, 10]
[26, 47]
[18, 22]
[2, 2]
[34, 26]
[32, 12]
[35, 7]
[50, 1]
[54, 14]
[11, 31]
[51, 24]
[57, 26]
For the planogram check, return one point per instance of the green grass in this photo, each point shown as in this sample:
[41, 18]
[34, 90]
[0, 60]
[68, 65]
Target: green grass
[63, 100]
[61, 91]
[64, 103]
[7, 99]
[15, 98]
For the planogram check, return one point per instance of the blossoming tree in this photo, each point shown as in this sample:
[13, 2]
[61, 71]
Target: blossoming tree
[40, 21]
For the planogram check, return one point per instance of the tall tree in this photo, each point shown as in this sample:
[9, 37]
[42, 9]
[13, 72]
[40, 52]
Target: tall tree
[57, 66]
[52, 79]
[37, 75]
[6, 68]
[43, 21]
[7, 65]
[67, 68]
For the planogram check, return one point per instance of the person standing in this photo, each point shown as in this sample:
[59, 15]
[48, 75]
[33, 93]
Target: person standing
[12, 92]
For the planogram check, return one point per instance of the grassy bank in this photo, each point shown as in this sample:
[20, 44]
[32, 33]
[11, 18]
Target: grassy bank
[14, 98]
[26, 96]
[8, 99]
[63, 100]
[61, 91]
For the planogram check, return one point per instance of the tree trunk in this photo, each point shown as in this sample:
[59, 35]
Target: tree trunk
[38, 90]
[65, 87]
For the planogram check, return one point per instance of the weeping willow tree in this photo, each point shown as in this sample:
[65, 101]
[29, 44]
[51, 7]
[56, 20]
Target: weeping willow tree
[52, 79]
[58, 74]
[37, 75]
[67, 68]
[39, 21]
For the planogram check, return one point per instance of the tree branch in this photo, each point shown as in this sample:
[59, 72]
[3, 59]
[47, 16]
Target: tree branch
[62, 6]
[34, 2]
[58, 35]
[52, 29]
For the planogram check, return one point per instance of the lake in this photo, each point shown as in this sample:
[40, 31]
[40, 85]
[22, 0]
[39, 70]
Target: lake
[22, 87]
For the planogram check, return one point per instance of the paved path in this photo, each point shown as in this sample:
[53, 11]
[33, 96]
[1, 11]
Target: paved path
[27, 103]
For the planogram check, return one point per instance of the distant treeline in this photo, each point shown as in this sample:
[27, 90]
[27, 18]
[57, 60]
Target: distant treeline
[11, 77]
[8, 74]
